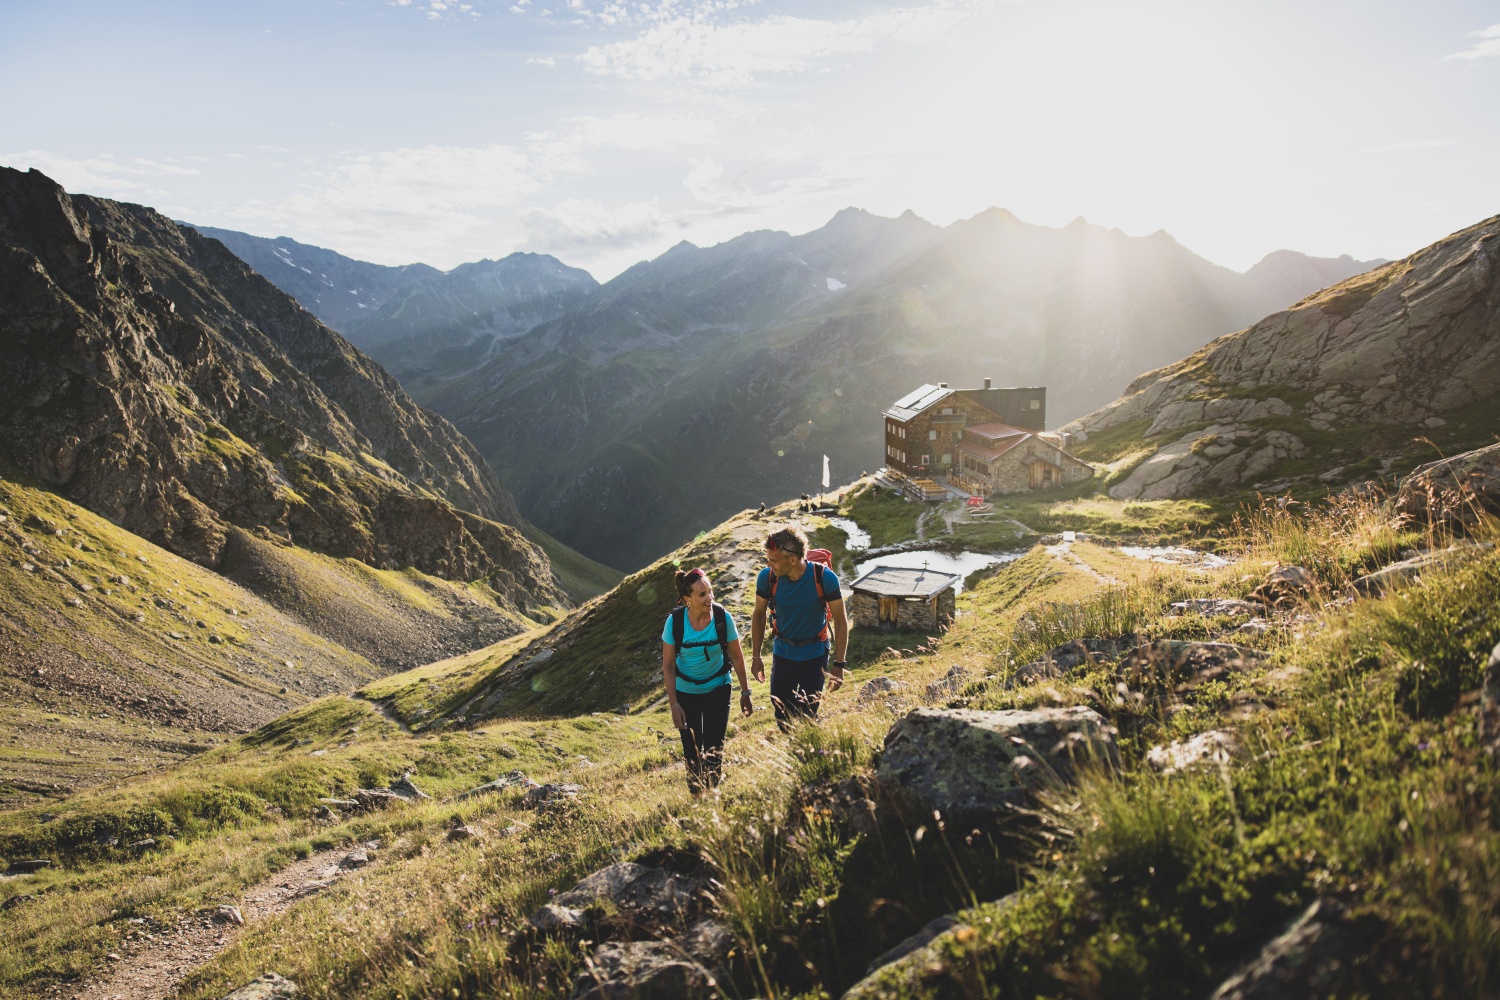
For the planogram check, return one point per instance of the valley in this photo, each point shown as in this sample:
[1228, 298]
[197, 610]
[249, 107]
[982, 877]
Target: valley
[295, 700]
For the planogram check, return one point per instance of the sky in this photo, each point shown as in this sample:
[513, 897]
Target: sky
[605, 132]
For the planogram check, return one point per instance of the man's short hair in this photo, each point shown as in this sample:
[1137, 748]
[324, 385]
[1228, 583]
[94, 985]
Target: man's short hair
[789, 539]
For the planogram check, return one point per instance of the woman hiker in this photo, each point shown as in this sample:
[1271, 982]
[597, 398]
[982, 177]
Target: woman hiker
[699, 644]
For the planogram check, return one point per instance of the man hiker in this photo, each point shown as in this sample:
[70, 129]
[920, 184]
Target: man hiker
[807, 618]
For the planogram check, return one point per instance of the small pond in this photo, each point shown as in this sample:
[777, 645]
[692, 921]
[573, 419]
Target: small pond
[1175, 555]
[959, 564]
[859, 538]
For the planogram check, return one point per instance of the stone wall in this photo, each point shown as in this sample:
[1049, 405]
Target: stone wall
[912, 614]
[1009, 474]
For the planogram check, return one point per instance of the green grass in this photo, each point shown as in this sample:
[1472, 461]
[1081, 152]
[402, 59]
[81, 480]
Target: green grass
[581, 577]
[1362, 779]
[887, 517]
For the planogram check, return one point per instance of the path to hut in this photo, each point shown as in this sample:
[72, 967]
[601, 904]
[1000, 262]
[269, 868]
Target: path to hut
[151, 963]
[1063, 553]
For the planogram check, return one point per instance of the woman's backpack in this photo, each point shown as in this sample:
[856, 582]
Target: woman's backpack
[721, 630]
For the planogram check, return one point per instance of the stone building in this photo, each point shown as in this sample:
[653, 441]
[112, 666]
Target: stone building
[894, 597]
[990, 440]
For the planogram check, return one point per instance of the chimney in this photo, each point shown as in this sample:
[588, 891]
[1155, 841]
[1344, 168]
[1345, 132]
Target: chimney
[987, 382]
[942, 385]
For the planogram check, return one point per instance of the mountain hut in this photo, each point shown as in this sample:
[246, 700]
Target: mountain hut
[984, 440]
[895, 597]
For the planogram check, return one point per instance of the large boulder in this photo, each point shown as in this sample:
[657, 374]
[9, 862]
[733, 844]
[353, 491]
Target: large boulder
[1455, 490]
[1323, 953]
[966, 763]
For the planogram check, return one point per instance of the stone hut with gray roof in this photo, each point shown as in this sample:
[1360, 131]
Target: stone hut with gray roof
[895, 597]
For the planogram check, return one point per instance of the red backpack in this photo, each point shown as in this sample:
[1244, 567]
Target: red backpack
[818, 560]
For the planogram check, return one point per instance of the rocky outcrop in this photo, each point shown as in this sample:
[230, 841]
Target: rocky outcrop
[155, 379]
[970, 764]
[1453, 491]
[1404, 345]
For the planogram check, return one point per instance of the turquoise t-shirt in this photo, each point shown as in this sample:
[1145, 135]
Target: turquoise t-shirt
[697, 665]
[799, 612]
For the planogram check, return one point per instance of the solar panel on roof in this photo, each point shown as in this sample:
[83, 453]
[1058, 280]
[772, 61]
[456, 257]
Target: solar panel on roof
[911, 398]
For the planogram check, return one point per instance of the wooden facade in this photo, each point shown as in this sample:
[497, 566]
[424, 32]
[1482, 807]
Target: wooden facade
[923, 428]
[990, 440]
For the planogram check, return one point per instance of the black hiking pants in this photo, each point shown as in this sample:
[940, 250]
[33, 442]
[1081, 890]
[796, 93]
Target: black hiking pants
[703, 736]
[796, 687]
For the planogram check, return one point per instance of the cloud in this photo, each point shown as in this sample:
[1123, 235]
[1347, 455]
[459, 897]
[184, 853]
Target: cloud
[579, 223]
[546, 61]
[1488, 44]
[104, 175]
[1411, 144]
[698, 47]
[563, 149]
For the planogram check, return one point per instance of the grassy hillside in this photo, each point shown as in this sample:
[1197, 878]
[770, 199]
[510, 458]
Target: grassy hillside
[117, 656]
[1360, 777]
[581, 576]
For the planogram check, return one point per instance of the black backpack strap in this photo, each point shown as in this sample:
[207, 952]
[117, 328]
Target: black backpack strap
[679, 626]
[721, 625]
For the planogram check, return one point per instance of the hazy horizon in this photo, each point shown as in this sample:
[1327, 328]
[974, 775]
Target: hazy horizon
[603, 133]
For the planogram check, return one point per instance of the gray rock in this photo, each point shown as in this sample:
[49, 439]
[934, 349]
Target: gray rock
[1177, 667]
[876, 688]
[1284, 586]
[1214, 607]
[555, 919]
[639, 896]
[967, 763]
[228, 915]
[949, 684]
[356, 858]
[921, 939]
[644, 970]
[1318, 955]
[1489, 704]
[268, 987]
[465, 832]
[511, 779]
[1211, 747]
[407, 790]
[1453, 491]
[1389, 577]
[544, 796]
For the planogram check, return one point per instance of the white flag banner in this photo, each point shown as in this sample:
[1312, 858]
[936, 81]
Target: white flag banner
[825, 472]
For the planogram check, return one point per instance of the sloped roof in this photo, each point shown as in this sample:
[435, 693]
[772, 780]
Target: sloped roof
[898, 581]
[985, 454]
[995, 431]
[916, 401]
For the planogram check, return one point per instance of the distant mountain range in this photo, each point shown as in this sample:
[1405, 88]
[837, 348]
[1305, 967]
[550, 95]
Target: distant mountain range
[709, 379]
[424, 325]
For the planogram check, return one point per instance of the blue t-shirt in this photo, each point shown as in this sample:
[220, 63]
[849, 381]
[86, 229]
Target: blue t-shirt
[697, 665]
[799, 611]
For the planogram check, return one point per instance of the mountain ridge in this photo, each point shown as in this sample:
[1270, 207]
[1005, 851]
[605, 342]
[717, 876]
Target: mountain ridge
[156, 379]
